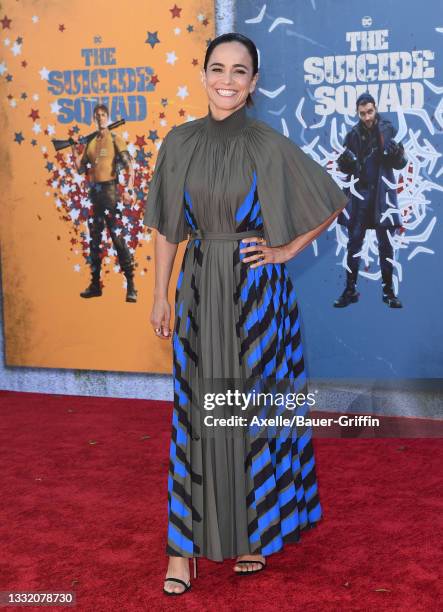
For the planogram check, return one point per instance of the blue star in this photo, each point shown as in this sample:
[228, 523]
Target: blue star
[152, 39]
[75, 129]
[153, 135]
[164, 102]
[97, 40]
[149, 154]
[24, 95]
[49, 166]
[33, 142]
[141, 156]
[190, 28]
[18, 137]
[9, 77]
[19, 40]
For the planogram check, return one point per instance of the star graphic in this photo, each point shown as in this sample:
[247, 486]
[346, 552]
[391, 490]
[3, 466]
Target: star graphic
[177, 31]
[13, 103]
[182, 92]
[34, 114]
[175, 11]
[205, 22]
[24, 95]
[200, 17]
[8, 77]
[6, 23]
[171, 58]
[190, 28]
[182, 112]
[16, 49]
[140, 141]
[19, 40]
[3, 68]
[61, 27]
[6, 42]
[152, 39]
[34, 19]
[24, 63]
[44, 73]
[155, 79]
[164, 101]
[195, 62]
[97, 40]
[33, 142]
[19, 138]
[153, 135]
[36, 128]
[55, 107]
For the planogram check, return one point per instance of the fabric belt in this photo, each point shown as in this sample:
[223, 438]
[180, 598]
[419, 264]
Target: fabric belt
[202, 235]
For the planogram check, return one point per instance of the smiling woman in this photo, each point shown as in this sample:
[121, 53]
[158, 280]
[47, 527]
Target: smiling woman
[224, 178]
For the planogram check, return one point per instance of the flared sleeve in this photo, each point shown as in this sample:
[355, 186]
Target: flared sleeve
[296, 194]
[164, 209]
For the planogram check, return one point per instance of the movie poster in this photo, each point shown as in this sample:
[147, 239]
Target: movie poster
[142, 60]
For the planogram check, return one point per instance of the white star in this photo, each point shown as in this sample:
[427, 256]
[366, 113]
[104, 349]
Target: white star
[47, 194]
[44, 150]
[13, 103]
[44, 73]
[64, 189]
[16, 49]
[200, 17]
[74, 213]
[36, 128]
[35, 97]
[177, 31]
[55, 107]
[54, 184]
[34, 19]
[182, 92]
[120, 206]
[140, 236]
[125, 135]
[77, 178]
[3, 68]
[171, 58]
[148, 237]
[118, 231]
[190, 118]
[131, 149]
[6, 42]
[76, 268]
[58, 203]
[51, 130]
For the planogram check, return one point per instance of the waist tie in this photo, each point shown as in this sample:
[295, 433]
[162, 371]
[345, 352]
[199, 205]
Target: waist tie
[202, 235]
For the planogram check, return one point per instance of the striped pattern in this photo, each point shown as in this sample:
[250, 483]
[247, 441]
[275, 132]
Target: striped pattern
[282, 498]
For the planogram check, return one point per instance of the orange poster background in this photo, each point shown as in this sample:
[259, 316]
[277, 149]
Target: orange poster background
[46, 322]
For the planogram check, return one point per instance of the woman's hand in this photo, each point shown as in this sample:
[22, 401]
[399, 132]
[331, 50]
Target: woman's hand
[264, 254]
[160, 317]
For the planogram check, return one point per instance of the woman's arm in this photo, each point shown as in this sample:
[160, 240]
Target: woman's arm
[165, 253]
[281, 254]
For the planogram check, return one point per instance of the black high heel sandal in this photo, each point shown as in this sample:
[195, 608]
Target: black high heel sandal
[263, 565]
[182, 582]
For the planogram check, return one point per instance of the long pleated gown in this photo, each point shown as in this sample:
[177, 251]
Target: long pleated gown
[230, 495]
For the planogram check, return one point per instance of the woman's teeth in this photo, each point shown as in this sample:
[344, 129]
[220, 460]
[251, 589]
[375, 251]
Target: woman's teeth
[226, 92]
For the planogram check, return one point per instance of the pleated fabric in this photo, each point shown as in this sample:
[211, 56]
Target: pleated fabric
[233, 494]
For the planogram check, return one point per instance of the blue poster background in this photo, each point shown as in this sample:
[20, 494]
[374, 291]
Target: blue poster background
[367, 339]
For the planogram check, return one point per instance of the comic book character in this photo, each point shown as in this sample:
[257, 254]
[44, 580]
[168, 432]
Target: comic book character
[102, 158]
[370, 154]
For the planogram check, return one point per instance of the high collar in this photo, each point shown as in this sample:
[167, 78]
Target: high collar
[230, 126]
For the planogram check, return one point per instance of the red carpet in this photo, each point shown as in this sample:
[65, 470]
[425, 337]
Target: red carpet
[83, 507]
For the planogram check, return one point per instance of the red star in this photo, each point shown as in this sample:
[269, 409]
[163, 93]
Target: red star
[195, 62]
[140, 141]
[155, 79]
[61, 27]
[175, 11]
[24, 63]
[34, 114]
[161, 116]
[181, 112]
[205, 22]
[59, 157]
[6, 23]
[10, 96]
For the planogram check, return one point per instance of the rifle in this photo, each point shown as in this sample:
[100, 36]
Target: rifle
[64, 144]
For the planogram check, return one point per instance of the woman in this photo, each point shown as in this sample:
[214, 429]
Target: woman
[229, 180]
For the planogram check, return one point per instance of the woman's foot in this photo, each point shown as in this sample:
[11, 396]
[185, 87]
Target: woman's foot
[178, 567]
[255, 564]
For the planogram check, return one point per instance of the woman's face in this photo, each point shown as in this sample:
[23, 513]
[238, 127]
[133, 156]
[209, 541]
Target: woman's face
[228, 78]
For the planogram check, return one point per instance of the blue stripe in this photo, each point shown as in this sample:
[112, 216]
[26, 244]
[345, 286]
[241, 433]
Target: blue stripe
[179, 539]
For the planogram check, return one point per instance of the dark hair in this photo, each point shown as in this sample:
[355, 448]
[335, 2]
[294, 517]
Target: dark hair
[98, 107]
[365, 98]
[244, 40]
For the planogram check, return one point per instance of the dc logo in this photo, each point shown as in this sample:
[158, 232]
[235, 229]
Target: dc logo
[366, 22]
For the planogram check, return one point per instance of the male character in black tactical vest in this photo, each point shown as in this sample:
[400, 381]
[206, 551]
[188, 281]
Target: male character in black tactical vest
[370, 155]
